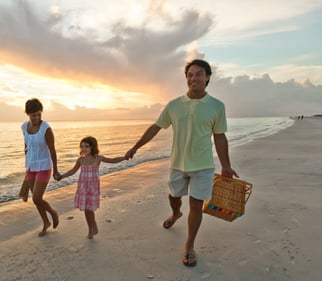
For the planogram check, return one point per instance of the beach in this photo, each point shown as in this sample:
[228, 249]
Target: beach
[279, 237]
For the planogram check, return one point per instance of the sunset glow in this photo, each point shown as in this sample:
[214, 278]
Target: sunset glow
[129, 56]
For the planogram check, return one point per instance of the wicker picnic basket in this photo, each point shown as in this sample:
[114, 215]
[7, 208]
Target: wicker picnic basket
[229, 197]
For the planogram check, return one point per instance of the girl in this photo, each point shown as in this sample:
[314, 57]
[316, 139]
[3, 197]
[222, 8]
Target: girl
[88, 188]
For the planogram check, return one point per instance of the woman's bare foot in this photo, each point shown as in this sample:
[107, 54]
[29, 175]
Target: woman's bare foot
[95, 229]
[55, 219]
[44, 229]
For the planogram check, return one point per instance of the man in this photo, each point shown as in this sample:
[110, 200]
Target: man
[195, 118]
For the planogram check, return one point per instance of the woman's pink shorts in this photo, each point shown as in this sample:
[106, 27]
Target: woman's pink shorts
[40, 176]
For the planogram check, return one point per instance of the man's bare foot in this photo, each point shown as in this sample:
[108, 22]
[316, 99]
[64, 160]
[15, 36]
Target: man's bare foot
[44, 229]
[55, 219]
[171, 220]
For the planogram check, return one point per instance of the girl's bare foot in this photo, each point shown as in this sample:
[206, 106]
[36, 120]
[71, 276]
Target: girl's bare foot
[90, 235]
[44, 229]
[55, 219]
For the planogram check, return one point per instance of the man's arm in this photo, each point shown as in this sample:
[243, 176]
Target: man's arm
[221, 145]
[148, 135]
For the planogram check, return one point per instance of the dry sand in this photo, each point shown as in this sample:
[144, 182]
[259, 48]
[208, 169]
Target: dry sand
[279, 238]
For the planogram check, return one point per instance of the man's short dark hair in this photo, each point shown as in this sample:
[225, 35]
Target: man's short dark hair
[203, 64]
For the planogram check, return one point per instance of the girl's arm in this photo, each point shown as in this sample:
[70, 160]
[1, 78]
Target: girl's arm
[73, 170]
[104, 159]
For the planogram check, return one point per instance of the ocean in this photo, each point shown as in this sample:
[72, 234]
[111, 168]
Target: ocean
[114, 139]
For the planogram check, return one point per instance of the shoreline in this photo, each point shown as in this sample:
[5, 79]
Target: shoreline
[242, 130]
[276, 239]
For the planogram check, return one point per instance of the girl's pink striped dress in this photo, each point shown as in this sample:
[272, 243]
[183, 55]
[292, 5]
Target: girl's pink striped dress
[88, 188]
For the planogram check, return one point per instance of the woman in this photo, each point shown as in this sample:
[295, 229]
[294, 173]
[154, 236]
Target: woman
[40, 159]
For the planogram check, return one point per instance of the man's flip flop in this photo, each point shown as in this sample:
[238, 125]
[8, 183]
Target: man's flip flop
[189, 259]
[170, 221]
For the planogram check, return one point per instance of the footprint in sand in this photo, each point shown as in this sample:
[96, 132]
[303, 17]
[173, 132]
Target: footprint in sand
[205, 275]
[257, 241]
[243, 262]
[286, 229]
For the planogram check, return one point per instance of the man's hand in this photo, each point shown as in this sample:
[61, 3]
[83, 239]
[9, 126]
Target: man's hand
[228, 172]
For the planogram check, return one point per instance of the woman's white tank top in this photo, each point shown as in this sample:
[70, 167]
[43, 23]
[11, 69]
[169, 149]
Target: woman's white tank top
[37, 152]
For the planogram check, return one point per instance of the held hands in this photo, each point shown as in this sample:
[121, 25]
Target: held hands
[130, 154]
[57, 176]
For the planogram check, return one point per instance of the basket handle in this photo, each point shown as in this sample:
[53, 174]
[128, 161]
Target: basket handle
[248, 191]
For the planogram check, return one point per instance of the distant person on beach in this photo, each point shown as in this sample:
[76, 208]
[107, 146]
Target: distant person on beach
[88, 188]
[40, 159]
[195, 117]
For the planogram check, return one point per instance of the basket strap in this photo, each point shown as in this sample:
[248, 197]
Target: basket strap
[248, 191]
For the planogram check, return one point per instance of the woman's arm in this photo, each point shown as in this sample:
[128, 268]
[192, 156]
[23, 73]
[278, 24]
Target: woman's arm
[50, 140]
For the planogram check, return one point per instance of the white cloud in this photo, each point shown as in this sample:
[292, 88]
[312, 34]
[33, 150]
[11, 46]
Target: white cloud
[297, 72]
[261, 96]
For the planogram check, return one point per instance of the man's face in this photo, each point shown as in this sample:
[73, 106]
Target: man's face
[196, 78]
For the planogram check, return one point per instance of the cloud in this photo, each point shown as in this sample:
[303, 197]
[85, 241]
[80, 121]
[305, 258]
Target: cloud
[242, 95]
[11, 113]
[247, 97]
[58, 112]
[141, 59]
[264, 17]
[6, 88]
[132, 58]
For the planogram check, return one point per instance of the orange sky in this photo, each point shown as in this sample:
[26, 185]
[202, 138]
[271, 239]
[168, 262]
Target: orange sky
[89, 61]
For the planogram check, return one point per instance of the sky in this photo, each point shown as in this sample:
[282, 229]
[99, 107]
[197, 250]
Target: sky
[98, 59]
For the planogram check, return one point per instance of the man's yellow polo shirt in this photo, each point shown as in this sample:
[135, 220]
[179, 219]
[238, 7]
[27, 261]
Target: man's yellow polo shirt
[194, 121]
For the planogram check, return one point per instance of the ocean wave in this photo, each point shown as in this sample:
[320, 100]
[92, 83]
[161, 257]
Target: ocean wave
[114, 143]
